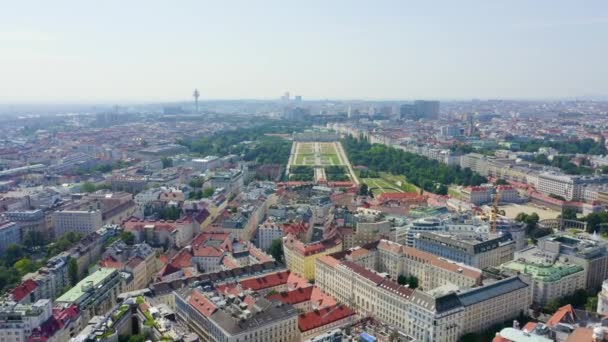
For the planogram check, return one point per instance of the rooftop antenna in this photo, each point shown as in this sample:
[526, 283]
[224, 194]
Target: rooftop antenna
[196, 96]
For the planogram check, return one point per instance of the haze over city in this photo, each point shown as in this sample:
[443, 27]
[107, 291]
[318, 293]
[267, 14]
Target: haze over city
[311, 171]
[157, 51]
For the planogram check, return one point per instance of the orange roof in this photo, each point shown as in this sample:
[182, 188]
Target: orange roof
[300, 295]
[273, 280]
[110, 262]
[201, 304]
[182, 259]
[23, 289]
[581, 335]
[560, 314]
[328, 260]
[202, 251]
[397, 196]
[530, 326]
[319, 318]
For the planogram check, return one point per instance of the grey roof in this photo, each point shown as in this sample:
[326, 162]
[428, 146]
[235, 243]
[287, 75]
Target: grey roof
[496, 289]
[440, 304]
[272, 313]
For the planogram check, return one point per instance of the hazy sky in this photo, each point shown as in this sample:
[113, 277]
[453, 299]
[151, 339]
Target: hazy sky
[154, 51]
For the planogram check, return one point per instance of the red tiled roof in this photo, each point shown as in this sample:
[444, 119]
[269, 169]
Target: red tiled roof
[23, 289]
[207, 252]
[267, 281]
[134, 262]
[182, 259]
[296, 296]
[169, 269]
[530, 326]
[301, 295]
[386, 196]
[319, 318]
[57, 321]
[202, 304]
[560, 314]
[110, 262]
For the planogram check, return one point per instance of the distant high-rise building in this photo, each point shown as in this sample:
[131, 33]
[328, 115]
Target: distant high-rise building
[349, 112]
[298, 99]
[285, 97]
[406, 111]
[196, 95]
[420, 110]
[427, 109]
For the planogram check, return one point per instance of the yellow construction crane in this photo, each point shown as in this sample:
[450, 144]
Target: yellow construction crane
[494, 215]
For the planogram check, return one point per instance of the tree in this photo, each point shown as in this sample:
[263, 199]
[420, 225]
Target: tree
[402, 279]
[363, 190]
[569, 214]
[167, 162]
[127, 237]
[73, 271]
[14, 252]
[591, 304]
[412, 282]
[276, 249]
[34, 239]
[87, 187]
[551, 306]
[170, 213]
[25, 266]
[501, 181]
[208, 192]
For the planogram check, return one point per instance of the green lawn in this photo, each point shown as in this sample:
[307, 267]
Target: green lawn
[397, 180]
[379, 185]
[306, 156]
[454, 193]
[300, 159]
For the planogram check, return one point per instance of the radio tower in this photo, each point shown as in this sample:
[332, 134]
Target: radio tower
[196, 95]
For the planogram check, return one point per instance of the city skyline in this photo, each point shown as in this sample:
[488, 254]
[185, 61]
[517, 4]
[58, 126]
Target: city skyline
[67, 53]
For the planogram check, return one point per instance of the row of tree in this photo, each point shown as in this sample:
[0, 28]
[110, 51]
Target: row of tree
[583, 146]
[20, 259]
[336, 173]
[564, 163]
[533, 230]
[230, 142]
[301, 173]
[425, 173]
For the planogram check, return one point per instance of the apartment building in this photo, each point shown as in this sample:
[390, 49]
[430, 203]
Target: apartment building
[300, 257]
[267, 233]
[478, 195]
[549, 277]
[476, 162]
[19, 320]
[231, 180]
[29, 221]
[77, 221]
[370, 226]
[161, 232]
[441, 314]
[477, 250]
[432, 271]
[591, 254]
[216, 317]
[367, 292]
[95, 294]
[10, 234]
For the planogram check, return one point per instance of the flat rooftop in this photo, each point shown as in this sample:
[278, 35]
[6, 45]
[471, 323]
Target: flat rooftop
[94, 280]
[546, 273]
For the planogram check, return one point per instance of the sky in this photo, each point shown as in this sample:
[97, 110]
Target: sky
[117, 51]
